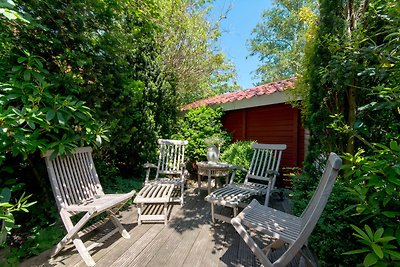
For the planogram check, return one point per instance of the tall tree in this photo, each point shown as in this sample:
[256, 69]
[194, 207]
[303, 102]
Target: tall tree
[351, 71]
[188, 49]
[279, 39]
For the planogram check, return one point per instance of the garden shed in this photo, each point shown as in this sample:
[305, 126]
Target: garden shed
[262, 114]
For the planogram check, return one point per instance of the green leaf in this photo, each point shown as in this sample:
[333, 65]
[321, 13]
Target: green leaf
[385, 239]
[27, 75]
[60, 118]
[16, 68]
[394, 179]
[391, 214]
[370, 260]
[378, 233]
[5, 195]
[21, 59]
[394, 146]
[50, 114]
[356, 251]
[394, 253]
[31, 125]
[369, 232]
[378, 250]
[360, 232]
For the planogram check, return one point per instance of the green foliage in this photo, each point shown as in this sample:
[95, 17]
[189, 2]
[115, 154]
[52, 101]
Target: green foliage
[330, 238]
[214, 140]
[189, 50]
[196, 126]
[38, 240]
[78, 67]
[375, 183]
[239, 154]
[352, 76]
[7, 210]
[380, 252]
[7, 9]
[279, 39]
[33, 118]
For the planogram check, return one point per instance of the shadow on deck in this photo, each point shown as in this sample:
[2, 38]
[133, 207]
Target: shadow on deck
[189, 239]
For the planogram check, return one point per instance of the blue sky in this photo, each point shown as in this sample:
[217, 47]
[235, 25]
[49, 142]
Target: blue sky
[236, 30]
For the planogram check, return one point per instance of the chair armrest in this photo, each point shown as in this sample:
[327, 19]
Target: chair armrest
[235, 168]
[149, 165]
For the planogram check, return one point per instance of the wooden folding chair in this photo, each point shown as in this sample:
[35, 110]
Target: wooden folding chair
[77, 190]
[260, 180]
[284, 228]
[171, 166]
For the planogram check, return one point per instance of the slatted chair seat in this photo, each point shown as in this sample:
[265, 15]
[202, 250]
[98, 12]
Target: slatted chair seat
[234, 194]
[153, 194]
[260, 180]
[99, 203]
[77, 189]
[284, 228]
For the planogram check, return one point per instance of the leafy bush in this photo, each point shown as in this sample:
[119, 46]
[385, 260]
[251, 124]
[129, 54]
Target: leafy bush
[375, 183]
[35, 242]
[197, 125]
[239, 154]
[330, 238]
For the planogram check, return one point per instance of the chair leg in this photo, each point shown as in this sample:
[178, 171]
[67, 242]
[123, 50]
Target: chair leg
[118, 225]
[139, 211]
[165, 213]
[83, 252]
[198, 183]
[72, 234]
[236, 222]
[212, 212]
[235, 211]
[182, 194]
[306, 258]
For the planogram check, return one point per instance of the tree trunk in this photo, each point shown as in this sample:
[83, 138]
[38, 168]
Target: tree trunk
[351, 89]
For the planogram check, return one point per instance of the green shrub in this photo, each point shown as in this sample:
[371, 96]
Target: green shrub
[197, 125]
[239, 154]
[375, 184]
[332, 234]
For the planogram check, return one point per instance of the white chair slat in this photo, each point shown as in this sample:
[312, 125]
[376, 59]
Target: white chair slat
[85, 184]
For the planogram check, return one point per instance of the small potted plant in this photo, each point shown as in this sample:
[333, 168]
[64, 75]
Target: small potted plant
[213, 144]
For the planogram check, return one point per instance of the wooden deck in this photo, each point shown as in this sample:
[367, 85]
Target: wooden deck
[189, 239]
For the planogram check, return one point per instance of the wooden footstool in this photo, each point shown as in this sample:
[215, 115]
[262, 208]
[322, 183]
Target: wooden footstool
[154, 195]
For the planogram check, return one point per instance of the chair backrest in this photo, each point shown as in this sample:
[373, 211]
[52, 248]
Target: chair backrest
[73, 178]
[171, 158]
[316, 205]
[265, 163]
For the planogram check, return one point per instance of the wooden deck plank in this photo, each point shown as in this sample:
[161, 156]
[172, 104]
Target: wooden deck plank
[136, 248]
[108, 256]
[166, 251]
[190, 239]
[198, 249]
[153, 248]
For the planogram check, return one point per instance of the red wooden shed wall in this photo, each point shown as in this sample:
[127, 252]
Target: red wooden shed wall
[272, 124]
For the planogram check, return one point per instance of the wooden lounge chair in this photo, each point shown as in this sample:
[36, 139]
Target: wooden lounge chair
[285, 228]
[170, 167]
[260, 180]
[77, 190]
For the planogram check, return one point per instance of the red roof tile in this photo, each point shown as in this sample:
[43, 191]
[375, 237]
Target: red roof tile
[265, 89]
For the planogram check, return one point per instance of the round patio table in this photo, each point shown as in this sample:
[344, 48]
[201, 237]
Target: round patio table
[212, 170]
